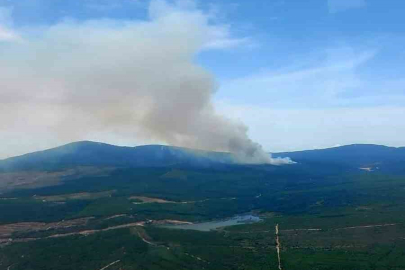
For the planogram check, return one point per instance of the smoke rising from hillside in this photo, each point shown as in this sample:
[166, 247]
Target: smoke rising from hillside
[134, 77]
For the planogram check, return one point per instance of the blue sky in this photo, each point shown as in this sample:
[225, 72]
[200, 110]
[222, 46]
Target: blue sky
[301, 74]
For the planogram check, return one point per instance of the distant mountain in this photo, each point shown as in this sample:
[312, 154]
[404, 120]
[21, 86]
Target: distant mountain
[88, 153]
[357, 156]
[348, 158]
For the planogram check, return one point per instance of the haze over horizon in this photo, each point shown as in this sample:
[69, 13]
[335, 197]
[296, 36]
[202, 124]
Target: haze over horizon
[123, 145]
[299, 75]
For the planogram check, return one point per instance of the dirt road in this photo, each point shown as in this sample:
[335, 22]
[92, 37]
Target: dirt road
[278, 245]
[111, 264]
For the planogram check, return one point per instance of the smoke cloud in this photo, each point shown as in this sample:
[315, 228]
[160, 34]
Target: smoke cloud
[135, 78]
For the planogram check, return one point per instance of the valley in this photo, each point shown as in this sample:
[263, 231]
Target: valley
[302, 216]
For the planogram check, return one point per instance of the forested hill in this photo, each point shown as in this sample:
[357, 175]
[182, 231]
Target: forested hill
[366, 156]
[88, 153]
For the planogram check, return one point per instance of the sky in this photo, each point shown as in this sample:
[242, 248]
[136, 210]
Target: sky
[299, 74]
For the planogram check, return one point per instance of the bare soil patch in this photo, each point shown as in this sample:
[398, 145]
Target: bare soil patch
[76, 196]
[149, 200]
[7, 230]
[37, 179]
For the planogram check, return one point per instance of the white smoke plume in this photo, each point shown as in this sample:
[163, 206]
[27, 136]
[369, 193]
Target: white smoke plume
[128, 77]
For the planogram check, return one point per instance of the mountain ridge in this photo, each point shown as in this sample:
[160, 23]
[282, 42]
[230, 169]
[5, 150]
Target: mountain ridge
[89, 153]
[364, 156]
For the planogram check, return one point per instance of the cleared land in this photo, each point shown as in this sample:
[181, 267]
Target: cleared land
[37, 179]
[143, 199]
[75, 196]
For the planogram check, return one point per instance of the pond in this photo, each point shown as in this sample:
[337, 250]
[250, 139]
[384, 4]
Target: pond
[213, 225]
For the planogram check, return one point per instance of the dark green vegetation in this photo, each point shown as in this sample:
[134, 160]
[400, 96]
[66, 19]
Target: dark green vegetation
[331, 214]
